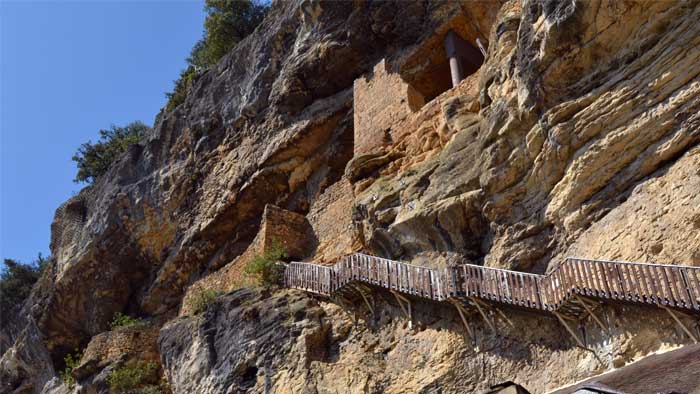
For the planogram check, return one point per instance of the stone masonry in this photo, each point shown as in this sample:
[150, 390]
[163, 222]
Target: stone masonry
[381, 100]
[278, 226]
[331, 219]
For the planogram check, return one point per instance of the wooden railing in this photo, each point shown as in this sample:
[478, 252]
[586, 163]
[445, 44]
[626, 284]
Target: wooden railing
[311, 277]
[664, 285]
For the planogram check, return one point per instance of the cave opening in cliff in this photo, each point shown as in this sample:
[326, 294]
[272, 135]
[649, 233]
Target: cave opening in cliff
[455, 60]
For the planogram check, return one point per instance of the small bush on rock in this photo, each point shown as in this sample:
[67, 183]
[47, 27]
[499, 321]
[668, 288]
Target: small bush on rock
[227, 23]
[120, 320]
[266, 267]
[201, 300]
[135, 377]
[181, 89]
[71, 361]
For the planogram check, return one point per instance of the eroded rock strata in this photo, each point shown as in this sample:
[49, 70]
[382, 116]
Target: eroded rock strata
[579, 135]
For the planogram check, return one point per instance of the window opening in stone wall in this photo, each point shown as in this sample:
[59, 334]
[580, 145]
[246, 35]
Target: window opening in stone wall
[457, 60]
[464, 58]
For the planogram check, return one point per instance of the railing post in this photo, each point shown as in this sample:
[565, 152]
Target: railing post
[537, 293]
[453, 277]
[687, 287]
[693, 285]
[622, 285]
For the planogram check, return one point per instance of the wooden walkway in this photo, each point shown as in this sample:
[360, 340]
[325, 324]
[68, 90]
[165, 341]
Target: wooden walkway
[570, 292]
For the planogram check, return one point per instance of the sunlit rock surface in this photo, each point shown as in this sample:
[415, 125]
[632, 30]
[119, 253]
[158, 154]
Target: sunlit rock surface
[578, 135]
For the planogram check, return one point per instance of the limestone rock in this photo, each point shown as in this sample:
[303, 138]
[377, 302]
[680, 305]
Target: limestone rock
[567, 130]
[578, 135]
[270, 124]
[658, 220]
[241, 340]
[255, 341]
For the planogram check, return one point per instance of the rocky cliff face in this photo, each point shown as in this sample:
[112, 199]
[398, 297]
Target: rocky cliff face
[284, 342]
[577, 108]
[578, 135]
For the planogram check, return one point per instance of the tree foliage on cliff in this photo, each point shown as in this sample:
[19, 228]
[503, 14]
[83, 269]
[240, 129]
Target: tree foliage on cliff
[94, 160]
[201, 300]
[266, 267]
[16, 282]
[227, 23]
[71, 361]
[137, 377]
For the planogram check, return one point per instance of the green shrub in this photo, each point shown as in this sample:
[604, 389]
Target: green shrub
[120, 320]
[16, 282]
[181, 89]
[202, 299]
[71, 362]
[227, 23]
[134, 377]
[265, 267]
[94, 160]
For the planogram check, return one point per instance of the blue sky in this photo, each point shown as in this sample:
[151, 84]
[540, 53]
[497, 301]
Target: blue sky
[67, 70]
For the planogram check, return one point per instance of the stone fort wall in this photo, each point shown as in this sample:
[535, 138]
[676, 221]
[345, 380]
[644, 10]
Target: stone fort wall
[381, 100]
[278, 225]
[330, 217]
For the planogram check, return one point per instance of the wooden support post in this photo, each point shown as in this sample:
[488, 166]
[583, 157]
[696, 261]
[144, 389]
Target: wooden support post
[400, 303]
[369, 306]
[590, 303]
[680, 323]
[488, 321]
[569, 329]
[503, 315]
[590, 312]
[401, 299]
[464, 319]
[481, 46]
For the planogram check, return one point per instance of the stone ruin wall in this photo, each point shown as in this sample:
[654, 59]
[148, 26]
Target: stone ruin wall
[137, 342]
[424, 134]
[287, 229]
[330, 217]
[278, 225]
[68, 225]
[391, 118]
[380, 101]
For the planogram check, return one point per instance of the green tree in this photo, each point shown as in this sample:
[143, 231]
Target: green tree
[199, 55]
[227, 23]
[94, 160]
[266, 267]
[16, 282]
